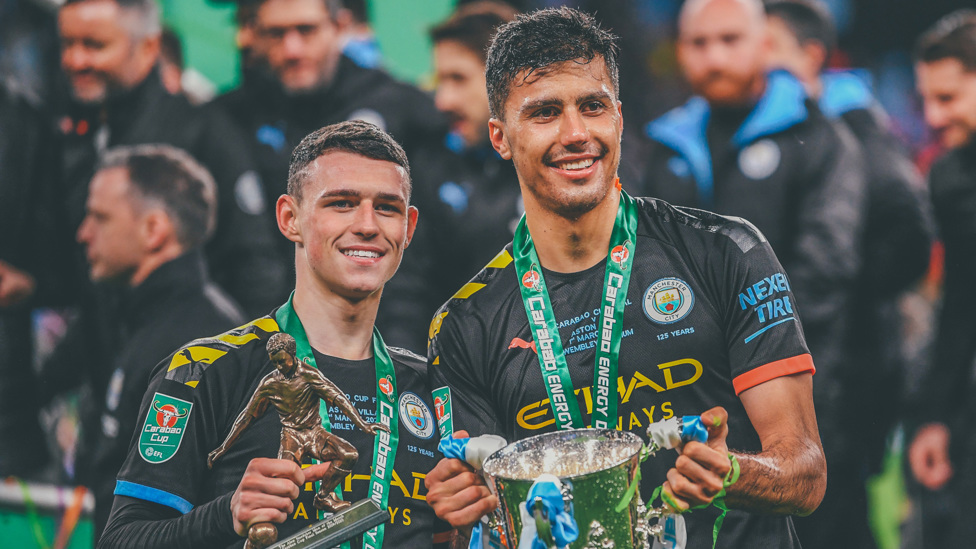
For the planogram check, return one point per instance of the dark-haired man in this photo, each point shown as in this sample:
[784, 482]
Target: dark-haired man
[896, 242]
[348, 214]
[149, 212]
[110, 53]
[700, 293]
[945, 70]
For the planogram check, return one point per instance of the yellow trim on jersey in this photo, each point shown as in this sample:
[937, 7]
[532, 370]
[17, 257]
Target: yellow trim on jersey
[197, 353]
[468, 290]
[500, 261]
[192, 383]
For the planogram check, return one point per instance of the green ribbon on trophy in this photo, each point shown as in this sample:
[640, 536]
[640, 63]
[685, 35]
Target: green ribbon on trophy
[545, 331]
[386, 398]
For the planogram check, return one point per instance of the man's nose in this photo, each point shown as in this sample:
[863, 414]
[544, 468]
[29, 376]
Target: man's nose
[293, 44]
[365, 222]
[574, 128]
[74, 58]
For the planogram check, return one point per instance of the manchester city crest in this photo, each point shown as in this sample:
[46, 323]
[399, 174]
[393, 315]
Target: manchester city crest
[416, 416]
[668, 300]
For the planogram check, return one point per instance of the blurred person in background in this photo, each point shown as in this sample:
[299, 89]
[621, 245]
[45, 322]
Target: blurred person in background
[358, 39]
[472, 193]
[27, 161]
[303, 81]
[149, 212]
[110, 54]
[941, 449]
[752, 144]
[896, 243]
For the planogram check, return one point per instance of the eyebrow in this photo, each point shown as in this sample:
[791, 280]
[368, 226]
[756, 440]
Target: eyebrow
[345, 193]
[552, 101]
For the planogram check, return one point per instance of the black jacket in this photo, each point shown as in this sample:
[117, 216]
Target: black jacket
[27, 173]
[800, 179]
[176, 303]
[241, 252]
[952, 180]
[897, 242]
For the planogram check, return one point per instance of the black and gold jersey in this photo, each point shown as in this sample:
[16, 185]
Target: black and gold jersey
[709, 314]
[198, 392]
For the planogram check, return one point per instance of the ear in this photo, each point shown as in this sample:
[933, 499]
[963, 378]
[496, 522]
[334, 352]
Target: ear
[412, 215]
[286, 212]
[496, 134]
[156, 230]
[817, 56]
[149, 49]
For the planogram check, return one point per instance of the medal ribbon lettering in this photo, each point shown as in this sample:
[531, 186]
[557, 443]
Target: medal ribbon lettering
[385, 444]
[545, 332]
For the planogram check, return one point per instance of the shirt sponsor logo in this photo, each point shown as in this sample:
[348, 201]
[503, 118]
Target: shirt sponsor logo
[769, 299]
[416, 416]
[668, 300]
[760, 160]
[164, 427]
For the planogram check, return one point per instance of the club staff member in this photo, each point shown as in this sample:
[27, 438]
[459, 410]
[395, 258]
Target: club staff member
[702, 294]
[347, 211]
[110, 53]
[896, 242]
[942, 447]
[150, 210]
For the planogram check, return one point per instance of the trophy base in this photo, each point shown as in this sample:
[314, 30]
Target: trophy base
[340, 527]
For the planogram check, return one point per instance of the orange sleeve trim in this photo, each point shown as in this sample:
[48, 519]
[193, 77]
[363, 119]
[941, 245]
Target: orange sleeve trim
[788, 366]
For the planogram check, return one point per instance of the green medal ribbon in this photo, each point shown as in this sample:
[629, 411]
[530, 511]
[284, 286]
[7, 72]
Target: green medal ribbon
[384, 444]
[545, 331]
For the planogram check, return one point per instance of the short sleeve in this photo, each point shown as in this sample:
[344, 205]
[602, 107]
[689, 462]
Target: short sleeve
[765, 337]
[456, 373]
[176, 430]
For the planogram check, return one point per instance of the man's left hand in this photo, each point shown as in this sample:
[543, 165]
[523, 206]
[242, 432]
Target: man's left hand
[699, 472]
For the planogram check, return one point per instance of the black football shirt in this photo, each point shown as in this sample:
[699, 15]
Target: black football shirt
[709, 314]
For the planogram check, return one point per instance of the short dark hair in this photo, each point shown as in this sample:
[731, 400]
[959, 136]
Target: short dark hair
[169, 177]
[541, 39]
[247, 10]
[473, 25]
[353, 136]
[952, 37]
[808, 21]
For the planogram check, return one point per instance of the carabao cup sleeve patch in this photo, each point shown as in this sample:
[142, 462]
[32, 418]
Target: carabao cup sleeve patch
[162, 432]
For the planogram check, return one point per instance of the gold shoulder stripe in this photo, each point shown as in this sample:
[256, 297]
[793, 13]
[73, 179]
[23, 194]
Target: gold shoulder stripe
[435, 325]
[192, 383]
[206, 355]
[437, 360]
[237, 339]
[468, 290]
[501, 260]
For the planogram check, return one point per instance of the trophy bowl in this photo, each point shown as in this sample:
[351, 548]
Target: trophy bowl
[598, 469]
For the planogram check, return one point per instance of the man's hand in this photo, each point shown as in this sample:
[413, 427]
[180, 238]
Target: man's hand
[457, 494]
[15, 285]
[700, 470]
[267, 489]
[928, 456]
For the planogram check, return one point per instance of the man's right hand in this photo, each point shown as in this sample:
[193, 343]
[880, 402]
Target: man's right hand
[457, 494]
[265, 492]
[928, 456]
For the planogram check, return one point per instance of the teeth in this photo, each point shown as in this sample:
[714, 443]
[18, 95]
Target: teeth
[582, 164]
[361, 253]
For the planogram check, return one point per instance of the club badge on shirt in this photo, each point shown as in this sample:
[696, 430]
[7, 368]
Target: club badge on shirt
[164, 428]
[416, 416]
[668, 300]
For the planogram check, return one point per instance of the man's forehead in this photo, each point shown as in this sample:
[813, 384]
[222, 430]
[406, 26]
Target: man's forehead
[91, 11]
[291, 12]
[352, 173]
[697, 13]
[592, 71]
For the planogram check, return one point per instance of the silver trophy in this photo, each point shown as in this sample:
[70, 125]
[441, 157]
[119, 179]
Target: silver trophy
[596, 473]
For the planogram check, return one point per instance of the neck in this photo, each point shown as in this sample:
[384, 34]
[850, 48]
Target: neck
[569, 245]
[153, 261]
[335, 325]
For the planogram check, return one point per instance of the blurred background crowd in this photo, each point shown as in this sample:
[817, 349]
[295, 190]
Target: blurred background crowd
[144, 143]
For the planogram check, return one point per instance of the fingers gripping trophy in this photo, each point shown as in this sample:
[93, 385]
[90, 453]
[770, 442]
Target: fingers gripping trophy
[294, 389]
